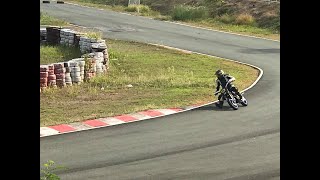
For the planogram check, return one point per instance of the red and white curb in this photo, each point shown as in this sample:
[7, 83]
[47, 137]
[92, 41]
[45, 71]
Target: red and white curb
[108, 121]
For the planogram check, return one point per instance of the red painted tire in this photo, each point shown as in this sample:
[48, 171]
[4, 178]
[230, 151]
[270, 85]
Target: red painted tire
[43, 80]
[60, 76]
[60, 70]
[43, 74]
[52, 77]
[43, 69]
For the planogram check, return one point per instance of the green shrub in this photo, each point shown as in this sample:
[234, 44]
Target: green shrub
[215, 7]
[131, 8]
[144, 9]
[182, 12]
[271, 22]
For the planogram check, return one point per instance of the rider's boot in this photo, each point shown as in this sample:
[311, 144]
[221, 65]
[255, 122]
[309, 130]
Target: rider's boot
[219, 104]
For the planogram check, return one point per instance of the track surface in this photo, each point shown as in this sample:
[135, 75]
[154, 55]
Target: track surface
[204, 143]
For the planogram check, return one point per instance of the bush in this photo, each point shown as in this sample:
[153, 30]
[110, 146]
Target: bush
[188, 13]
[224, 10]
[131, 8]
[164, 6]
[226, 18]
[138, 8]
[245, 19]
[216, 8]
[144, 9]
[271, 22]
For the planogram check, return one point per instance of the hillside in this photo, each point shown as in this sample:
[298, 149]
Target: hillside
[266, 14]
[250, 17]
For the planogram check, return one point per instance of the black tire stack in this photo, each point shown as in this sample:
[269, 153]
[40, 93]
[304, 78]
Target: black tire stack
[53, 35]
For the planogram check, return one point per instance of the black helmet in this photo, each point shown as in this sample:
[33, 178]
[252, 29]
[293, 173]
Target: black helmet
[219, 72]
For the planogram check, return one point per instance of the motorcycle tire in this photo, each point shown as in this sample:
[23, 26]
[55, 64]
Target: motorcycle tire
[232, 103]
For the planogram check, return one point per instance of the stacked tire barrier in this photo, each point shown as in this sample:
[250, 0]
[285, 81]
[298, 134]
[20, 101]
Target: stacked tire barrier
[100, 67]
[90, 69]
[74, 71]
[67, 37]
[43, 76]
[43, 34]
[85, 44]
[68, 78]
[76, 39]
[70, 38]
[51, 76]
[59, 71]
[53, 35]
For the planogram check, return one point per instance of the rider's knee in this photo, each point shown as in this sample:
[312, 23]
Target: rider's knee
[233, 88]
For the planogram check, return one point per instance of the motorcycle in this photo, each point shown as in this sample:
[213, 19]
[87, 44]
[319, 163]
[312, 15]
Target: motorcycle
[232, 98]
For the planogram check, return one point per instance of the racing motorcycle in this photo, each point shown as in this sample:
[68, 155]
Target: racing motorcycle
[232, 98]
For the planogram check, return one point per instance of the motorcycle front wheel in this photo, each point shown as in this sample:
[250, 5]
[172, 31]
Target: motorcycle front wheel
[232, 103]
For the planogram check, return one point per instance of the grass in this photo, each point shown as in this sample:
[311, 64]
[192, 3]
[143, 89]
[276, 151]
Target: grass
[240, 29]
[142, 10]
[59, 53]
[188, 12]
[45, 19]
[210, 23]
[95, 35]
[161, 78]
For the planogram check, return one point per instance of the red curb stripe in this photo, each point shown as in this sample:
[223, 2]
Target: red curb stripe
[175, 109]
[62, 128]
[126, 118]
[151, 113]
[95, 123]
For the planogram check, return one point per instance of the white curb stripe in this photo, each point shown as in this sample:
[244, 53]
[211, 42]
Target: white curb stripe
[45, 131]
[80, 126]
[166, 111]
[111, 121]
[139, 116]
